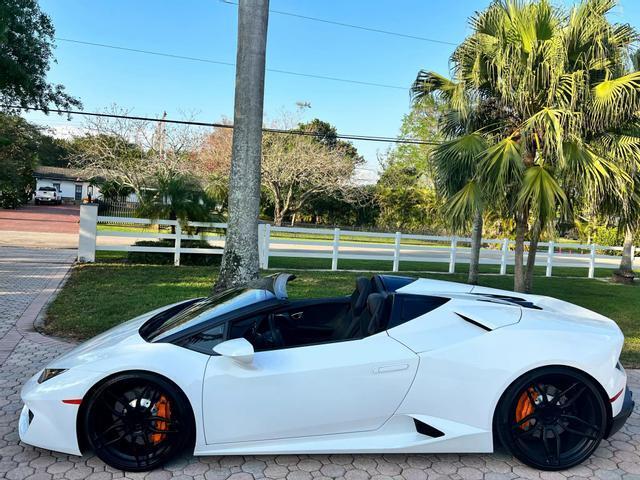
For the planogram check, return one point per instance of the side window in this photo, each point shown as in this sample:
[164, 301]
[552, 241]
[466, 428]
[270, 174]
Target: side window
[256, 331]
[408, 307]
[205, 341]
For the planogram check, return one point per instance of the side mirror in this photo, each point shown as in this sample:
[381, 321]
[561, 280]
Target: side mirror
[238, 349]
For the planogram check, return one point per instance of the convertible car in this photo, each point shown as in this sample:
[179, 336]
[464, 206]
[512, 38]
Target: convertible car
[401, 365]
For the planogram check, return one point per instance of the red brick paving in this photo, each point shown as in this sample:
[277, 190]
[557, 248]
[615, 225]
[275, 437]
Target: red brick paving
[41, 218]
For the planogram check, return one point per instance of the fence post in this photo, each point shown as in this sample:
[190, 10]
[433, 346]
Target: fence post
[633, 256]
[88, 229]
[550, 254]
[452, 255]
[177, 243]
[266, 240]
[503, 258]
[336, 247]
[592, 261]
[396, 252]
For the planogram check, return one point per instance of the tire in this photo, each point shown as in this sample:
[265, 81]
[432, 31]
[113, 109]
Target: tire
[122, 425]
[551, 418]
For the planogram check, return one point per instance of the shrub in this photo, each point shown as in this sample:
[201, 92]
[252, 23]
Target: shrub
[162, 258]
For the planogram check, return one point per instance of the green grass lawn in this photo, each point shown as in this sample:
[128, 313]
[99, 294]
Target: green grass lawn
[101, 295]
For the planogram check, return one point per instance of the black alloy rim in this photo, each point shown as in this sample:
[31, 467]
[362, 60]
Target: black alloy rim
[565, 425]
[128, 423]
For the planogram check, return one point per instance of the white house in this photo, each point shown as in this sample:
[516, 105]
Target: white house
[70, 183]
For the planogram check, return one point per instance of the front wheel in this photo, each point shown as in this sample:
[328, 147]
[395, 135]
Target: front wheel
[137, 421]
[551, 419]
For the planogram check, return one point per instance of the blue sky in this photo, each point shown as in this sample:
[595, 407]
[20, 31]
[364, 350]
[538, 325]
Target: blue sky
[149, 85]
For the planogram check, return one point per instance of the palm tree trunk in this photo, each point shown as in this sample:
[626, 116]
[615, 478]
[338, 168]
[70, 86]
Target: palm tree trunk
[519, 272]
[476, 244]
[626, 263]
[240, 260]
[531, 258]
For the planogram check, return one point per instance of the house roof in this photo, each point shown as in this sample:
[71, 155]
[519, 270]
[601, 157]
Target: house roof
[59, 173]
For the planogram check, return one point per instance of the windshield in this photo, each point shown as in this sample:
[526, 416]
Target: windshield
[204, 310]
[47, 189]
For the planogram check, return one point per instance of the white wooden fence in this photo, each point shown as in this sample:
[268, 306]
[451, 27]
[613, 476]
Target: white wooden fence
[343, 244]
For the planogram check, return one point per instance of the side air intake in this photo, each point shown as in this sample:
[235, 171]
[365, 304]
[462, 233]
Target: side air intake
[425, 429]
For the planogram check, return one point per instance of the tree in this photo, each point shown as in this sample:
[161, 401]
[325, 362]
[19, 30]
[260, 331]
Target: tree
[406, 196]
[19, 142]
[295, 169]
[26, 51]
[134, 153]
[240, 259]
[561, 84]
[406, 191]
[175, 197]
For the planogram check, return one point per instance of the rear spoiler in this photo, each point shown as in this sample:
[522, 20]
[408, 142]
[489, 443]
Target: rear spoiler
[276, 284]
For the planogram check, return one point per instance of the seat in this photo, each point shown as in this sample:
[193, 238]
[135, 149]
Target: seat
[377, 313]
[349, 327]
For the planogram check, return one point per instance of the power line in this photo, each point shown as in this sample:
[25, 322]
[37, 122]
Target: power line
[367, 138]
[350, 25]
[228, 64]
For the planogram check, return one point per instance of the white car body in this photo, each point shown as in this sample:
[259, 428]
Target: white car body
[446, 369]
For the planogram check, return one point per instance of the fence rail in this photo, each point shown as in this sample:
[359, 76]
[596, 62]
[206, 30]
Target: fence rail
[340, 245]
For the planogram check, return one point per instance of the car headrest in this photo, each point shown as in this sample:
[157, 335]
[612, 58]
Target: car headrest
[359, 297]
[375, 305]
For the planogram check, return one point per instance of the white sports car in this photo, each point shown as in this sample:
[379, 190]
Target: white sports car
[402, 365]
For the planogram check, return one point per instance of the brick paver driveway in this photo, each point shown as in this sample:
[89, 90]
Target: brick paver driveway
[41, 218]
[25, 285]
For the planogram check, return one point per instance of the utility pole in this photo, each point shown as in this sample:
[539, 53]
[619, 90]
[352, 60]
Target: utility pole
[240, 258]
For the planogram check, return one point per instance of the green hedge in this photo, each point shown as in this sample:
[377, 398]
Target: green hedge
[161, 258]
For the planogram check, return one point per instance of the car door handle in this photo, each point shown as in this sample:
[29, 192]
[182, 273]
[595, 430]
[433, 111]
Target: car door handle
[391, 368]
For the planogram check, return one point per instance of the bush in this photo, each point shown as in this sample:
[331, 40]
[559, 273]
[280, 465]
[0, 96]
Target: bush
[161, 258]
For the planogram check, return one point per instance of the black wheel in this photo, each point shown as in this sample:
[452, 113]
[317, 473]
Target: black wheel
[552, 418]
[137, 421]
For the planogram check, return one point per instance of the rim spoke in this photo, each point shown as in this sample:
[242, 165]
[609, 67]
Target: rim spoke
[157, 430]
[114, 440]
[582, 434]
[557, 437]
[545, 444]
[526, 419]
[520, 434]
[579, 420]
[574, 398]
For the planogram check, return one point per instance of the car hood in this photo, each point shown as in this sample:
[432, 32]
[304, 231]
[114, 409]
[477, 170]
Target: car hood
[101, 345]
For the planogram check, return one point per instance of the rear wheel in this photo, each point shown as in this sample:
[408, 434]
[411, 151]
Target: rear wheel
[137, 421]
[551, 419]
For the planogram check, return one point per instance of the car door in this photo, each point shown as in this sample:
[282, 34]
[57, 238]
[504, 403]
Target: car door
[331, 388]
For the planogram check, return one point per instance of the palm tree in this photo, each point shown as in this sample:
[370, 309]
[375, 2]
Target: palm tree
[176, 197]
[563, 91]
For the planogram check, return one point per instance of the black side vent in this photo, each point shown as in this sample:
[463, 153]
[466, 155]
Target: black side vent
[425, 429]
[473, 322]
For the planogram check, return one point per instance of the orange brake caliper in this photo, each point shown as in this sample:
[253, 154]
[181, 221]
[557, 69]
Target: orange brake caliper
[525, 407]
[163, 410]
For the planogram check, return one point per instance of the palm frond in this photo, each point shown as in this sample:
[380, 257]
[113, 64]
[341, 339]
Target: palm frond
[502, 165]
[463, 205]
[541, 193]
[456, 161]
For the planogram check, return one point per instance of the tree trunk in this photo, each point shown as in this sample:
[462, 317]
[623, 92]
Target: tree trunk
[519, 272]
[531, 258]
[476, 244]
[240, 259]
[625, 273]
[626, 263]
[277, 218]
